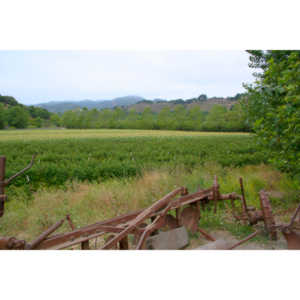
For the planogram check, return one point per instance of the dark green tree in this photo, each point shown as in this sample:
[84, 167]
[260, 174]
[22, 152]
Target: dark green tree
[273, 105]
[17, 117]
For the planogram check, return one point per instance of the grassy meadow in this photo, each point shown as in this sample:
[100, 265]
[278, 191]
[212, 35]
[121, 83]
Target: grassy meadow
[98, 174]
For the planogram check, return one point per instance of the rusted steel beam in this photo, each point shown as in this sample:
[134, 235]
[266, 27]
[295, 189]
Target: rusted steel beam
[144, 215]
[44, 235]
[207, 235]
[252, 235]
[70, 222]
[76, 241]
[158, 222]
[294, 217]
[244, 203]
[21, 172]
[216, 194]
[55, 241]
[266, 208]
[2, 184]
[198, 196]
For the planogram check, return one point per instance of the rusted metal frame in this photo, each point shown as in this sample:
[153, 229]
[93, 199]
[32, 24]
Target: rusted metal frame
[20, 172]
[269, 221]
[144, 215]
[207, 235]
[70, 222]
[157, 223]
[4, 182]
[2, 185]
[294, 217]
[89, 229]
[84, 231]
[252, 235]
[55, 240]
[44, 235]
[178, 216]
[11, 243]
[77, 241]
[244, 203]
[198, 196]
[216, 193]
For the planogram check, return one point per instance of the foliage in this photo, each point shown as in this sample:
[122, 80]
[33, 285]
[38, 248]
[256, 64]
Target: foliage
[16, 115]
[180, 118]
[273, 105]
[94, 159]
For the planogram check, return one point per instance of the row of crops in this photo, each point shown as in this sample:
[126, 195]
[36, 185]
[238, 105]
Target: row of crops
[94, 159]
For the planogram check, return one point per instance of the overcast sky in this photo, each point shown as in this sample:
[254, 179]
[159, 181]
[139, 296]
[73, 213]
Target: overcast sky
[40, 76]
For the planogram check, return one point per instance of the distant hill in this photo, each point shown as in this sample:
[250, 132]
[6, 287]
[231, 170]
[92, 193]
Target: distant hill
[205, 105]
[61, 106]
[139, 103]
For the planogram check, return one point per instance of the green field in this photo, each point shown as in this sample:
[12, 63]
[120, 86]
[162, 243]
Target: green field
[98, 155]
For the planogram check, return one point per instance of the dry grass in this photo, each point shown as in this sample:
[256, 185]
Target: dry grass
[88, 203]
[45, 134]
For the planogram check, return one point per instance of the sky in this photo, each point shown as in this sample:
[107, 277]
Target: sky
[34, 77]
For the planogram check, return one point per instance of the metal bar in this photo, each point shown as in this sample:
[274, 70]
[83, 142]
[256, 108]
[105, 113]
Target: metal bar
[20, 172]
[252, 235]
[157, 223]
[215, 193]
[198, 196]
[44, 235]
[75, 242]
[178, 216]
[207, 235]
[245, 208]
[70, 222]
[294, 217]
[143, 215]
[2, 185]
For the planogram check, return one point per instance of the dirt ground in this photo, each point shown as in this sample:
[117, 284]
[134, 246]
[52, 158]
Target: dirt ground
[225, 239]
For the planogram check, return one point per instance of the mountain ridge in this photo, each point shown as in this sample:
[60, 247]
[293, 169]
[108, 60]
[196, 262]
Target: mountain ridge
[61, 106]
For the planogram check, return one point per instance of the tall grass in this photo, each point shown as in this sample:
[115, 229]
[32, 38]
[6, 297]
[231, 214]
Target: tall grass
[91, 202]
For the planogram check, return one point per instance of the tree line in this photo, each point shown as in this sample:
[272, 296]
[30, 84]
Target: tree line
[219, 118]
[15, 115]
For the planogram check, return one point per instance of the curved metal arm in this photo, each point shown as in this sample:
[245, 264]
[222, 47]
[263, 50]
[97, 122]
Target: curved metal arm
[6, 182]
[294, 217]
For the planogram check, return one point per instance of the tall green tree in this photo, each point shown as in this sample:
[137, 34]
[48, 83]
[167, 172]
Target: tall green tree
[17, 117]
[273, 105]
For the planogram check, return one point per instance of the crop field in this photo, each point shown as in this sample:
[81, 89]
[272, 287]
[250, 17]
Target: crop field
[97, 174]
[97, 155]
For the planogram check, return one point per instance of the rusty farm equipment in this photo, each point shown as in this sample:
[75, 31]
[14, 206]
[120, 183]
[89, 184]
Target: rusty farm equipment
[172, 215]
